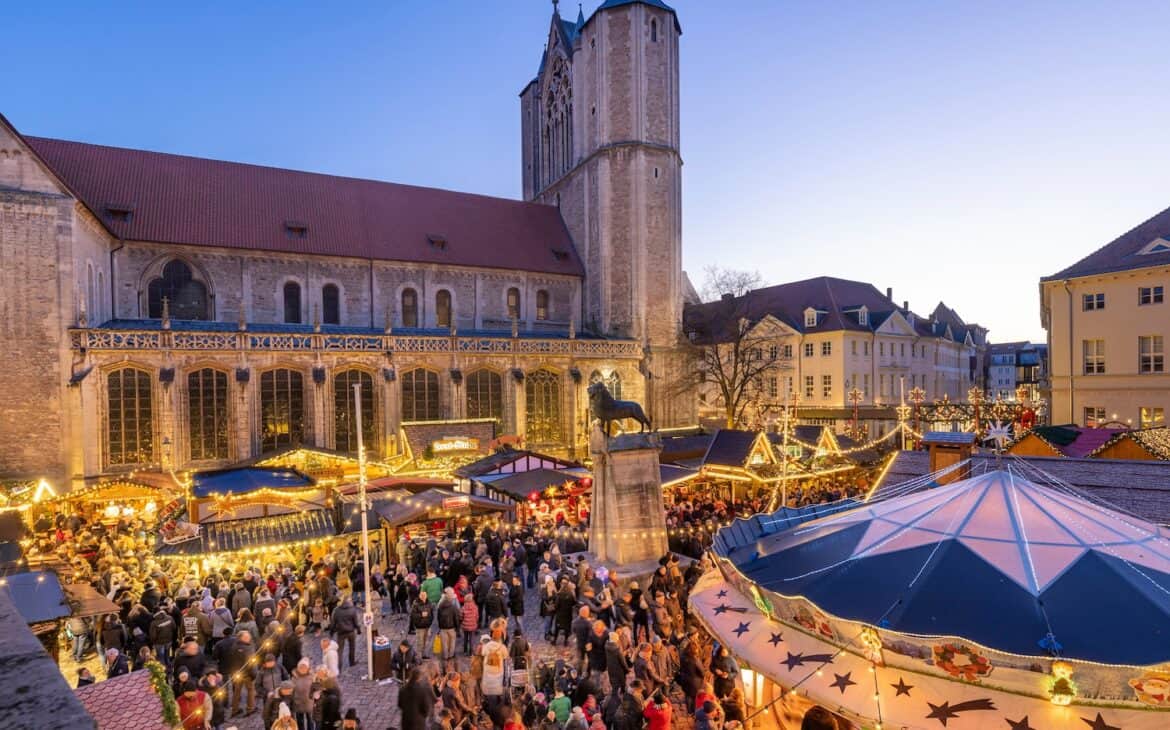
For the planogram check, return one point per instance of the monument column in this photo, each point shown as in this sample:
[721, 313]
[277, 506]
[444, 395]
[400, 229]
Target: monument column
[627, 522]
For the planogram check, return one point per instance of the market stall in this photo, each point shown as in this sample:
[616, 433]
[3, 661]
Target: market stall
[435, 512]
[1002, 600]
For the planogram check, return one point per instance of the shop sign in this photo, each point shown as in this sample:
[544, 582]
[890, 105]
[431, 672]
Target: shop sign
[454, 443]
[454, 503]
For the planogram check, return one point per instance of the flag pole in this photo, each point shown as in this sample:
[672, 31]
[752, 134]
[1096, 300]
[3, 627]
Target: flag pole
[364, 506]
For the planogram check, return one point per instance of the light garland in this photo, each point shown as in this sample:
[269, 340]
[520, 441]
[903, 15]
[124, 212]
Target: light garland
[158, 682]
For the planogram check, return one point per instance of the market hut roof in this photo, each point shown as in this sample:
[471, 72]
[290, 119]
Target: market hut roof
[997, 559]
[240, 480]
[536, 480]
[37, 595]
[256, 532]
[127, 702]
[84, 600]
[512, 461]
[400, 507]
[738, 449]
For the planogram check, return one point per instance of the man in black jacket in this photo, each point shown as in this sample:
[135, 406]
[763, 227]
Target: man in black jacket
[345, 626]
[162, 635]
[617, 667]
[403, 661]
[448, 616]
[422, 615]
[415, 701]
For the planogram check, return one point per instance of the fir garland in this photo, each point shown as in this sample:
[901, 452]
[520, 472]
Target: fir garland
[158, 681]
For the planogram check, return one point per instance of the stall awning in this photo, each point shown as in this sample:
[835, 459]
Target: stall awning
[37, 595]
[671, 475]
[246, 479]
[86, 601]
[537, 480]
[400, 507]
[258, 532]
[410, 484]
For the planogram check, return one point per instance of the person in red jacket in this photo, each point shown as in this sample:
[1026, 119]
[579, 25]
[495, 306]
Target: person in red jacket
[657, 713]
[194, 707]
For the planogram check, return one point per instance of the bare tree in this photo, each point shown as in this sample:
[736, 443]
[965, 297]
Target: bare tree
[718, 281]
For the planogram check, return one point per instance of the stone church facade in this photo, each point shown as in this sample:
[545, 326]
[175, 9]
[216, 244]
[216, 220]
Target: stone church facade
[168, 311]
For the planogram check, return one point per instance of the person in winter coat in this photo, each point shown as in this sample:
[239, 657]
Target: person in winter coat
[197, 624]
[345, 626]
[561, 707]
[403, 661]
[616, 664]
[516, 600]
[416, 699]
[162, 635]
[708, 717]
[422, 616]
[114, 633]
[240, 598]
[433, 587]
[194, 708]
[453, 700]
[116, 664]
[566, 603]
[595, 649]
[302, 680]
[519, 650]
[629, 713]
[495, 604]
[657, 713]
[329, 657]
[221, 620]
[243, 672]
[690, 675]
[724, 671]
[284, 720]
[448, 617]
[577, 720]
[269, 676]
[327, 702]
[282, 696]
[469, 622]
[211, 684]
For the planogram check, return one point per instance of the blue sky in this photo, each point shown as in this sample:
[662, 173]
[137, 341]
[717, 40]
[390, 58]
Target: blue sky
[953, 151]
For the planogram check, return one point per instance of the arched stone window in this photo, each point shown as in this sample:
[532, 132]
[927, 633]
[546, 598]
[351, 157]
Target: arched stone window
[186, 297]
[542, 391]
[282, 409]
[330, 304]
[292, 302]
[129, 417]
[613, 383]
[345, 415]
[542, 304]
[653, 31]
[207, 414]
[409, 308]
[420, 395]
[485, 395]
[513, 303]
[442, 308]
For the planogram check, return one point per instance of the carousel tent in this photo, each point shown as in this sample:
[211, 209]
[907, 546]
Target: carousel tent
[240, 480]
[997, 559]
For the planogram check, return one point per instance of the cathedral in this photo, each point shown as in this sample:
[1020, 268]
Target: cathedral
[171, 312]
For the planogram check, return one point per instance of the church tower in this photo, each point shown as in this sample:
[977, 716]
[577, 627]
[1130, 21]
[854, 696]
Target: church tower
[600, 140]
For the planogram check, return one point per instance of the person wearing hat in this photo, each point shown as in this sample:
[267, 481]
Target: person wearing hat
[269, 675]
[283, 697]
[351, 721]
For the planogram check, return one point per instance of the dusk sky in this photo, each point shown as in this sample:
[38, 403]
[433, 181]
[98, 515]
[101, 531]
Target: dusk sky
[953, 151]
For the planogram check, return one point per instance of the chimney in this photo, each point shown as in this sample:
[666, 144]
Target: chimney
[906, 304]
[890, 293]
[727, 297]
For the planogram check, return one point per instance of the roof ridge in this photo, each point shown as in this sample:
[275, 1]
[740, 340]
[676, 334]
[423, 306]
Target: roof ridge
[1064, 273]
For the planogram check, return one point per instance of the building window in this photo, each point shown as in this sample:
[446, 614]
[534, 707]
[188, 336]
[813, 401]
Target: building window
[810, 318]
[613, 383]
[420, 395]
[186, 298]
[1150, 295]
[826, 386]
[409, 308]
[1152, 417]
[442, 308]
[826, 349]
[863, 317]
[865, 386]
[1094, 355]
[902, 349]
[882, 348]
[292, 302]
[773, 352]
[542, 391]
[345, 433]
[756, 354]
[787, 351]
[485, 395]
[1150, 354]
[129, 417]
[282, 409]
[1090, 302]
[865, 350]
[653, 31]
[1094, 417]
[853, 347]
[330, 304]
[808, 349]
[542, 304]
[773, 390]
[810, 385]
[513, 303]
[207, 414]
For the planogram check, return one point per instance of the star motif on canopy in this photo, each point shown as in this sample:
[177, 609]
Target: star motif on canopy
[1099, 723]
[842, 682]
[902, 688]
[741, 629]
[798, 660]
[776, 639]
[1020, 724]
[947, 711]
[721, 594]
[722, 608]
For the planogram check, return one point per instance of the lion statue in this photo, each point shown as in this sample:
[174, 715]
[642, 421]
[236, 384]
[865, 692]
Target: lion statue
[606, 409]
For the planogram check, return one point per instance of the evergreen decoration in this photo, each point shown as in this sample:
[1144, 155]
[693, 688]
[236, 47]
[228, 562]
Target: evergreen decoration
[158, 681]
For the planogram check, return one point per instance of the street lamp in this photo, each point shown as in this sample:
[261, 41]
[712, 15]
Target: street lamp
[364, 506]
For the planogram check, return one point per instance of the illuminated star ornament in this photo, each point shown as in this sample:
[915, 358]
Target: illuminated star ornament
[947, 711]
[1099, 723]
[1001, 433]
[742, 629]
[842, 681]
[776, 639]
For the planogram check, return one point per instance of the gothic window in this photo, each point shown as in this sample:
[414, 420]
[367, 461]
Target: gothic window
[653, 31]
[542, 304]
[409, 308]
[485, 395]
[613, 383]
[330, 304]
[345, 433]
[207, 414]
[442, 308]
[186, 297]
[292, 302]
[513, 303]
[542, 391]
[420, 395]
[129, 417]
[282, 409]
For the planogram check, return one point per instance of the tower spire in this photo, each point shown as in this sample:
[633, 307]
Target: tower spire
[556, 10]
[580, 17]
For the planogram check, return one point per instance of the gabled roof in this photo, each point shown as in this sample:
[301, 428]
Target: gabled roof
[38, 595]
[1071, 440]
[502, 461]
[201, 202]
[127, 702]
[1154, 440]
[733, 448]
[1125, 251]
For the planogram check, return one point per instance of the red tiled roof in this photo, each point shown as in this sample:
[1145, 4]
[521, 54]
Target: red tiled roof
[1121, 253]
[127, 702]
[201, 202]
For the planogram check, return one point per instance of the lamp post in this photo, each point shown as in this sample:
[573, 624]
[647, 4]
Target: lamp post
[855, 396]
[364, 505]
[917, 396]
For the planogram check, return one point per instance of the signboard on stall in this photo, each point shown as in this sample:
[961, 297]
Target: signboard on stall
[456, 503]
[451, 444]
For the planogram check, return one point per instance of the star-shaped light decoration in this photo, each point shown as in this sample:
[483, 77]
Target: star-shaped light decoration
[842, 681]
[1099, 723]
[1001, 433]
[742, 629]
[902, 688]
[776, 639]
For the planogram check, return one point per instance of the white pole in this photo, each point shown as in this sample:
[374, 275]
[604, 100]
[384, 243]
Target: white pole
[364, 505]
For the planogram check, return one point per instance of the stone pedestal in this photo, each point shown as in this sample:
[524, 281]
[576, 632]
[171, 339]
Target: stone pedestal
[627, 523]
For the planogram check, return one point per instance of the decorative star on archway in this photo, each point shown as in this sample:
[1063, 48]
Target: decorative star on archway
[798, 660]
[776, 639]
[947, 711]
[1099, 723]
[721, 594]
[1020, 724]
[842, 681]
[741, 629]
[902, 688]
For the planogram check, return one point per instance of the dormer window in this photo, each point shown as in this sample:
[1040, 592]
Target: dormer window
[863, 317]
[296, 229]
[119, 213]
[439, 243]
[810, 317]
[560, 254]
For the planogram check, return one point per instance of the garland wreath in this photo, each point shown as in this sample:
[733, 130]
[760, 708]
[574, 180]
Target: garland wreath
[970, 665]
[158, 682]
